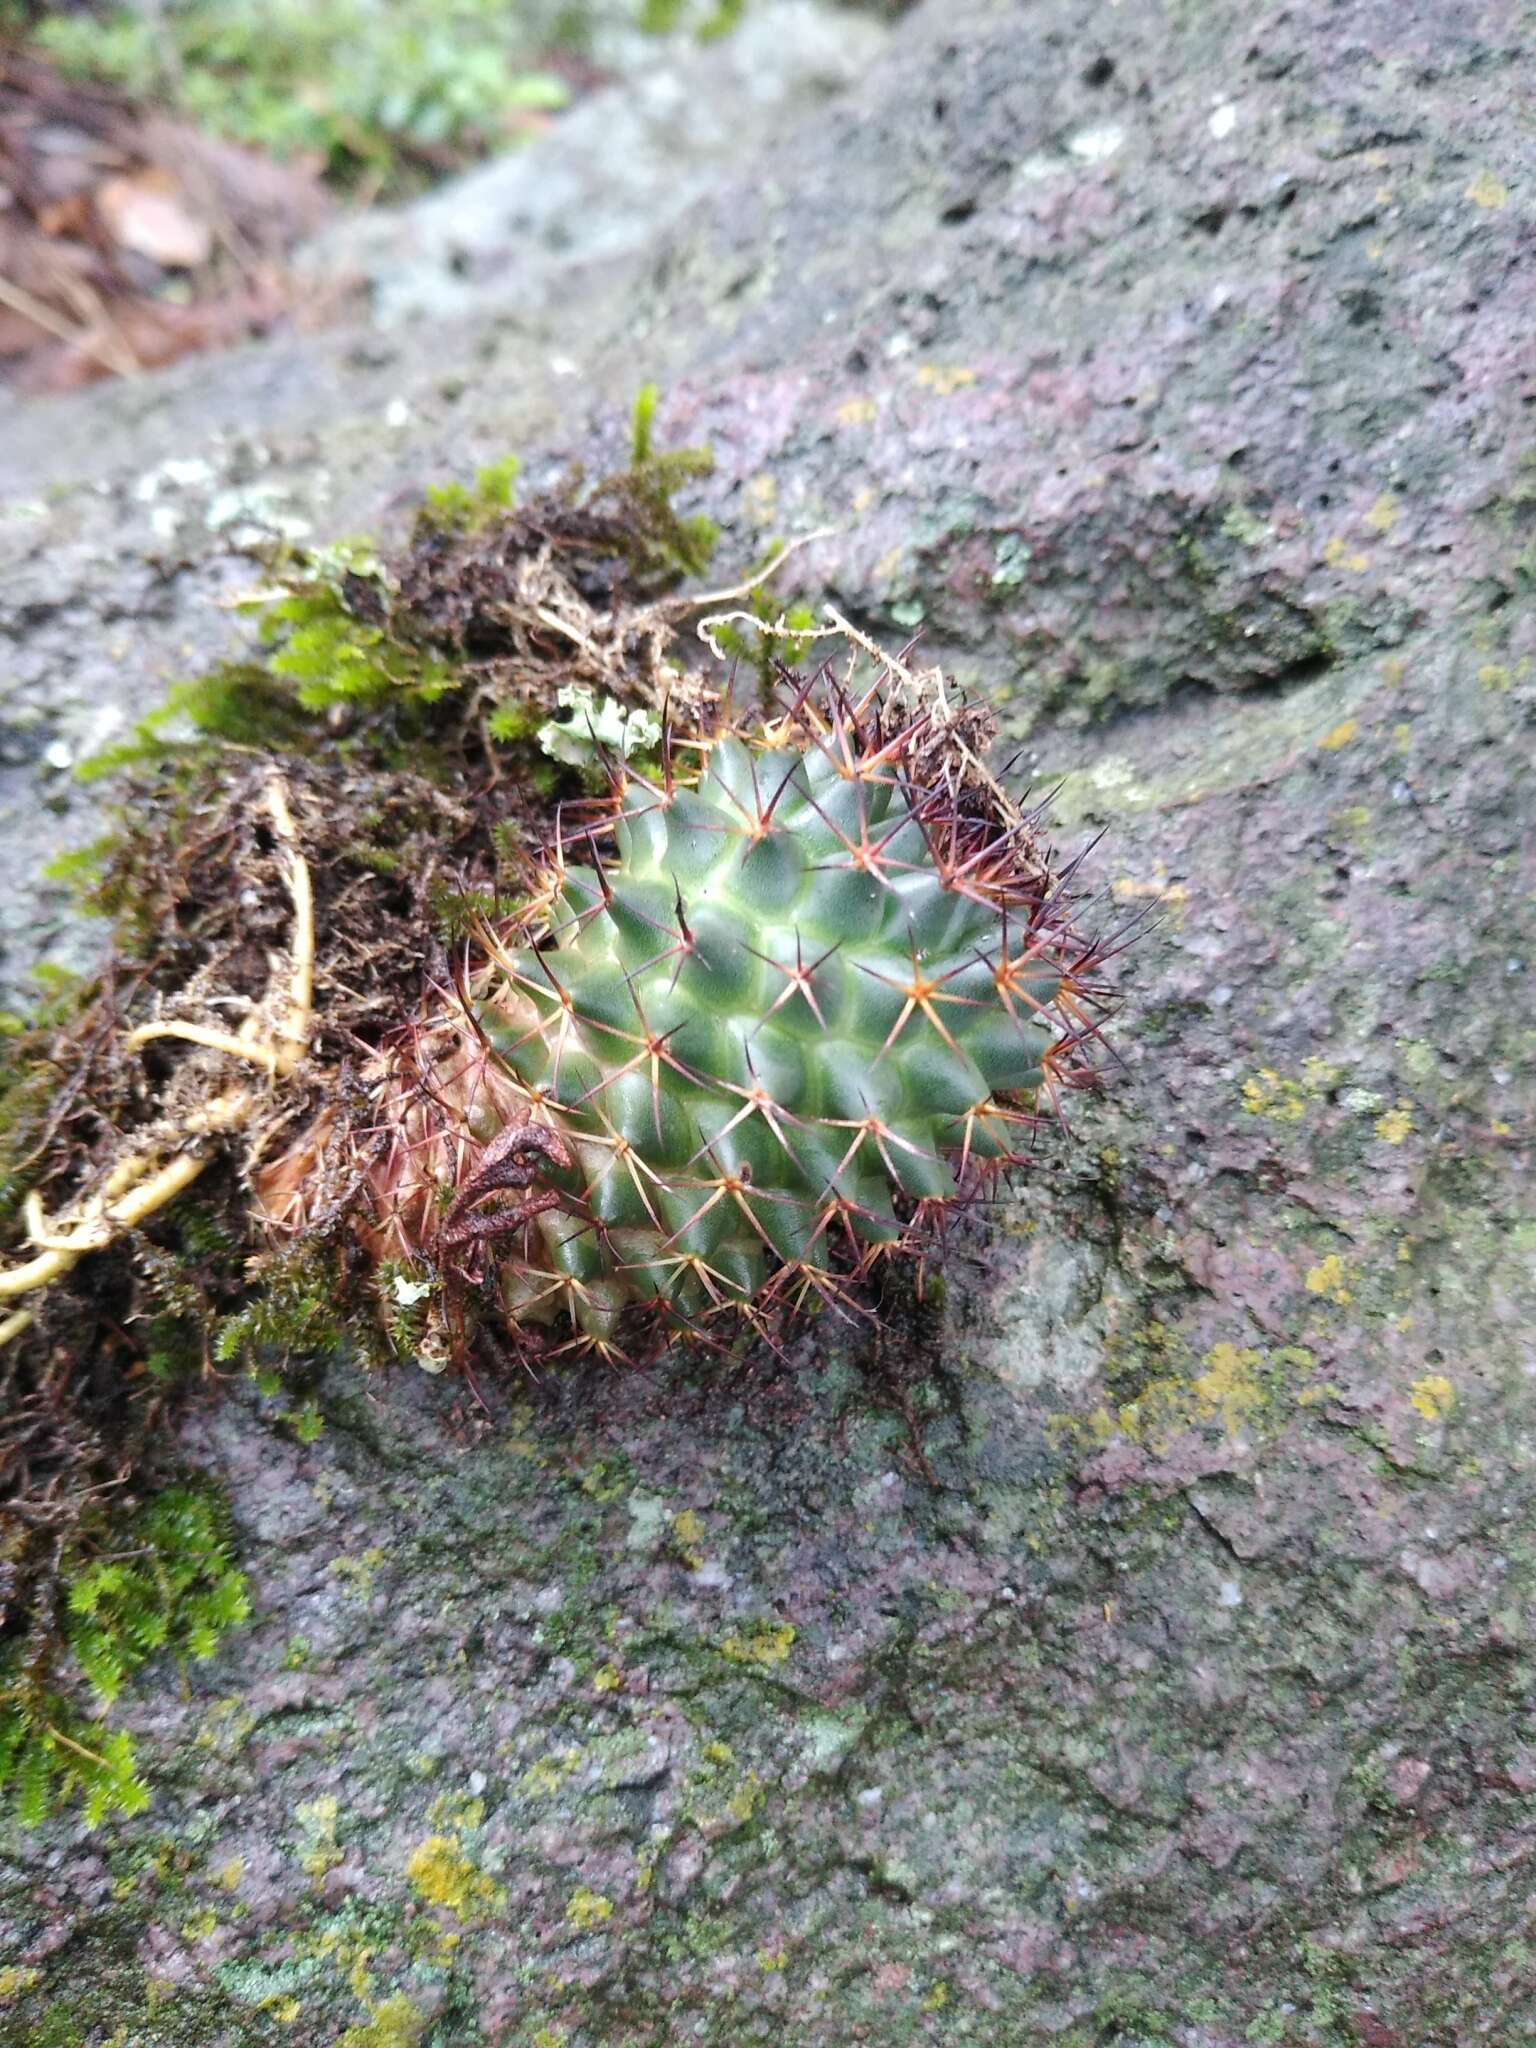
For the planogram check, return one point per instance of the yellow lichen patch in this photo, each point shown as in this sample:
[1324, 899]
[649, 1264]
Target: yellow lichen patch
[317, 1823]
[1230, 1386]
[607, 1678]
[1339, 735]
[1382, 516]
[1338, 554]
[549, 1773]
[1154, 889]
[1487, 191]
[746, 1799]
[856, 412]
[1433, 1396]
[456, 1811]
[586, 1910]
[603, 1482]
[1493, 675]
[351, 1953]
[759, 1642]
[225, 1726]
[1328, 1279]
[1394, 1126]
[687, 1539]
[760, 498]
[1275, 1096]
[442, 1875]
[1351, 823]
[227, 1876]
[357, 1573]
[1237, 1386]
[15, 1978]
[394, 2024]
[1284, 1099]
[944, 378]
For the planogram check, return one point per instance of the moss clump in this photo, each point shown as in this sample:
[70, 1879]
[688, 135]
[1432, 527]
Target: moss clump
[163, 1581]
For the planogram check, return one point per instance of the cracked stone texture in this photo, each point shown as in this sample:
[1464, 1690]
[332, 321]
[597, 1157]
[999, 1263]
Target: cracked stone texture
[1156, 1667]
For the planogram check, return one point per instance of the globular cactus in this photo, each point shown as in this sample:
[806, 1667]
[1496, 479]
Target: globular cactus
[757, 1026]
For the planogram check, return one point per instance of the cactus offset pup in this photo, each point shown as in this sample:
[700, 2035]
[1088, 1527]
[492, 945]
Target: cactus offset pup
[762, 1019]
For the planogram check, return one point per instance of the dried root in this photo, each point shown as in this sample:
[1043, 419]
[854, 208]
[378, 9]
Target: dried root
[274, 1039]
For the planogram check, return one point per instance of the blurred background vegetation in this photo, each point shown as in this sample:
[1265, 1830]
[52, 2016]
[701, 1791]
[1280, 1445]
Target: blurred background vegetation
[382, 94]
[163, 161]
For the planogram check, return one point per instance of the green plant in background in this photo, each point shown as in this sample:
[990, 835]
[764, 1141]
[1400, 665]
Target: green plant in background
[704, 18]
[370, 90]
[380, 92]
[163, 1582]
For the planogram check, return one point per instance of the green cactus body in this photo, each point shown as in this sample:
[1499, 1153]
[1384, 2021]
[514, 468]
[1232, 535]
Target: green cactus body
[781, 1010]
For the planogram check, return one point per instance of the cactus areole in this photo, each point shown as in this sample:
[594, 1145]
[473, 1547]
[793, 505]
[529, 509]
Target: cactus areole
[764, 1018]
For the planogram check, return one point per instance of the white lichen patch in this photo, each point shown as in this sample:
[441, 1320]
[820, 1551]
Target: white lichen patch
[1096, 145]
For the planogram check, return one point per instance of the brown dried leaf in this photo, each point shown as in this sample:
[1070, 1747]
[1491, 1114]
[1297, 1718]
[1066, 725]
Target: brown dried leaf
[272, 205]
[148, 212]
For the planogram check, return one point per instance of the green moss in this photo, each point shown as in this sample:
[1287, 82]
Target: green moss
[455, 508]
[706, 18]
[323, 643]
[163, 1582]
[239, 704]
[294, 1312]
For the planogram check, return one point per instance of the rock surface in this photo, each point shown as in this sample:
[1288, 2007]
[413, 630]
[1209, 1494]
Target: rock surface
[1157, 1667]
